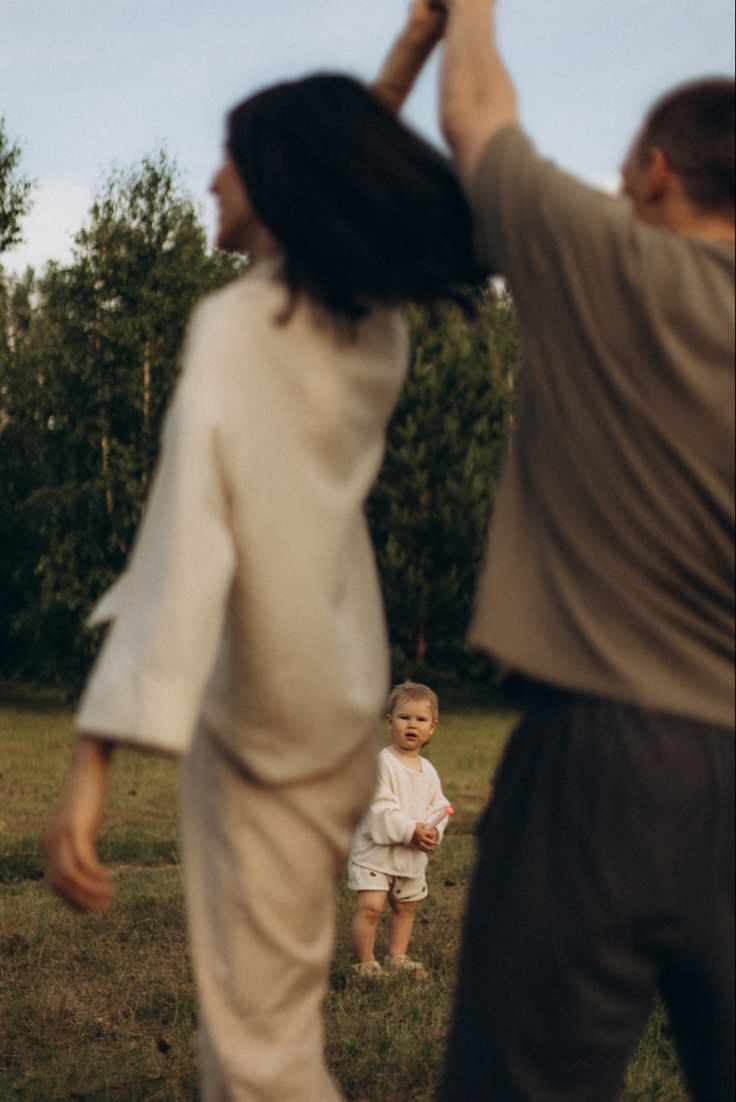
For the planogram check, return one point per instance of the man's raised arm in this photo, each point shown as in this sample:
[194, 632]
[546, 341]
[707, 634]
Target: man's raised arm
[423, 30]
[478, 98]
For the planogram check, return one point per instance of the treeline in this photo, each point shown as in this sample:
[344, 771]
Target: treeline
[88, 358]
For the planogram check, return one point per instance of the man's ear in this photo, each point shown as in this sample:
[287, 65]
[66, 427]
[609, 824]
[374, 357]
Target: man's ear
[658, 174]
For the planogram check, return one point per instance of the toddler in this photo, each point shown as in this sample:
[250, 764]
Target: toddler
[389, 852]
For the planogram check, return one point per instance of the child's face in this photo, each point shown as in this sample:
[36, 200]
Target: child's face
[411, 725]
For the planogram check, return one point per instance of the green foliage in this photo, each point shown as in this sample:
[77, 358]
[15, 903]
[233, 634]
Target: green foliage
[430, 510]
[15, 191]
[87, 363]
[88, 359]
[21, 468]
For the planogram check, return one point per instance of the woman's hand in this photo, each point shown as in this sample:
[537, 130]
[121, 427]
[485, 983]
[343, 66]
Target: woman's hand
[73, 870]
[428, 18]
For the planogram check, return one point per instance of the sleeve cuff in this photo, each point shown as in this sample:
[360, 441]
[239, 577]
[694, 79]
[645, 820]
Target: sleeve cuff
[143, 711]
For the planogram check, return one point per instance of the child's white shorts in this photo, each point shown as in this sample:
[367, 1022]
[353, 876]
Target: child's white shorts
[404, 889]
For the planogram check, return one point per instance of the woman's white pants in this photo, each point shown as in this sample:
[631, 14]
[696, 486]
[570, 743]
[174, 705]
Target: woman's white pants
[260, 867]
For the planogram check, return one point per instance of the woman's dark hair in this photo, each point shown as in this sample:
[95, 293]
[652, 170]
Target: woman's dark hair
[365, 210]
[694, 127]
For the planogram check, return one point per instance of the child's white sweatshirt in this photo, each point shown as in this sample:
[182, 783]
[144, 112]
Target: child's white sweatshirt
[402, 799]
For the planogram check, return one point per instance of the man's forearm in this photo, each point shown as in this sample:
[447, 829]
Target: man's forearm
[405, 62]
[478, 96]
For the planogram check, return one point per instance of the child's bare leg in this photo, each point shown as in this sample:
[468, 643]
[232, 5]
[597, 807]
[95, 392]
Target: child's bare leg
[365, 922]
[400, 925]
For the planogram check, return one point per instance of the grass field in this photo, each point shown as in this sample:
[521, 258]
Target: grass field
[102, 1009]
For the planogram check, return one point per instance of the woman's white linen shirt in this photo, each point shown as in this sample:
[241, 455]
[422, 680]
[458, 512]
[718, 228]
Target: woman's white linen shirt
[251, 599]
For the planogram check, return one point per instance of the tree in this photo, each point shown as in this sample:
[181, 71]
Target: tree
[21, 465]
[88, 359]
[86, 388]
[430, 510]
[15, 192]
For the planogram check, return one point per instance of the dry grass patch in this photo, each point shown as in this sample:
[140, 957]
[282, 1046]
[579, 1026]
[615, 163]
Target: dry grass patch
[102, 1009]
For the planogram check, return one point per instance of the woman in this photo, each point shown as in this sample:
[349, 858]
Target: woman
[247, 633]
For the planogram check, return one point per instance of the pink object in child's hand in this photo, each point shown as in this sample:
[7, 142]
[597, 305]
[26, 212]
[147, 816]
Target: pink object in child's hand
[439, 816]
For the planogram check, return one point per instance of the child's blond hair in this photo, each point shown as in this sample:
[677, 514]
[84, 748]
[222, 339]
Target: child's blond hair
[412, 690]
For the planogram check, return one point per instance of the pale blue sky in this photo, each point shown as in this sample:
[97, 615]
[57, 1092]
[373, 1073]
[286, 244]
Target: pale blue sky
[87, 85]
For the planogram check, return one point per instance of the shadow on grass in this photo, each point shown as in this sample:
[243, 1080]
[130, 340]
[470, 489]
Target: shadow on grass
[35, 698]
[22, 859]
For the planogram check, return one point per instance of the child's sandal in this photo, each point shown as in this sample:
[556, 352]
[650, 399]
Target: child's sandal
[402, 963]
[370, 969]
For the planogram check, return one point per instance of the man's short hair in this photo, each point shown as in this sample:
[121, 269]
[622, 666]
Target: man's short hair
[412, 690]
[694, 127]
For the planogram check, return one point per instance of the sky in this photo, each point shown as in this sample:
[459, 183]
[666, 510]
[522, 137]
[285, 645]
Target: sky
[89, 86]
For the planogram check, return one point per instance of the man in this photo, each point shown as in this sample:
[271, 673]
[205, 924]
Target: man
[606, 856]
